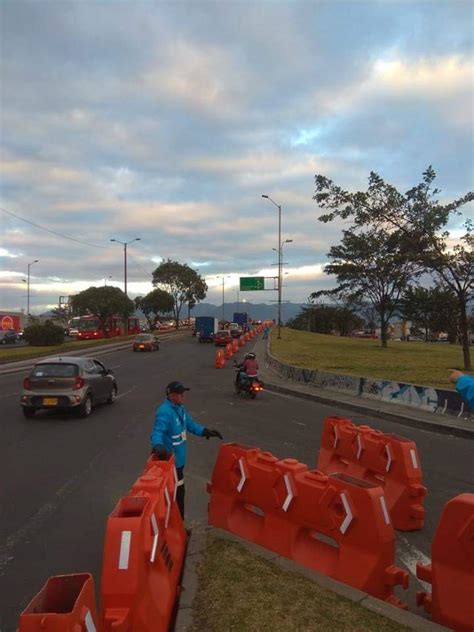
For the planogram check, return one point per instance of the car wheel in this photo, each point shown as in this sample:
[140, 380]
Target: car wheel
[112, 396]
[28, 412]
[85, 408]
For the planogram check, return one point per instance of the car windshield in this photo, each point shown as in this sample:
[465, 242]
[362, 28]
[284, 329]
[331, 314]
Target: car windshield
[223, 333]
[55, 370]
[144, 338]
[88, 325]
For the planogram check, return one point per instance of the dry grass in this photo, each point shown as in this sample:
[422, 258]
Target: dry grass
[241, 592]
[421, 363]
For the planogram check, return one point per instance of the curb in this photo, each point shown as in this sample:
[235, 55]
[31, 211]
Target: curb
[406, 420]
[197, 547]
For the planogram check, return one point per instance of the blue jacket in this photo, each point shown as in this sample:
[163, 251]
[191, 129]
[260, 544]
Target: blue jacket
[171, 423]
[465, 387]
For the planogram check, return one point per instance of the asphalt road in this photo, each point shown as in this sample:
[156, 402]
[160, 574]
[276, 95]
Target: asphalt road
[61, 476]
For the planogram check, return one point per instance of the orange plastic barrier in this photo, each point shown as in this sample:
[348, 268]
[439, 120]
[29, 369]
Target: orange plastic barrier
[241, 340]
[382, 459]
[219, 362]
[337, 525]
[66, 603]
[144, 550]
[235, 345]
[451, 572]
[228, 353]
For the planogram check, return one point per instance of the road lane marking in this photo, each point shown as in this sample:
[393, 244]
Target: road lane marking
[409, 555]
[298, 423]
[126, 392]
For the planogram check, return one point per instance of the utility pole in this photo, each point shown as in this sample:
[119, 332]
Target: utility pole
[125, 244]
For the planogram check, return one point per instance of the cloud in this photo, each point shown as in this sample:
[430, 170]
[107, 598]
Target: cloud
[168, 121]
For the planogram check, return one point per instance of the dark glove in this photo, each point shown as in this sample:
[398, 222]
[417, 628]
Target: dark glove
[161, 452]
[211, 433]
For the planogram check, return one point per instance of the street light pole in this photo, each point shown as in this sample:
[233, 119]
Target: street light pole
[28, 290]
[105, 280]
[223, 295]
[267, 197]
[125, 244]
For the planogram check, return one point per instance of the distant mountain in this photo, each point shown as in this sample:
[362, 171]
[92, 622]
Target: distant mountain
[256, 311]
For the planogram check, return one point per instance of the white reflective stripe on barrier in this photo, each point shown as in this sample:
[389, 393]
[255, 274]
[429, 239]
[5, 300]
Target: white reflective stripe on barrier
[389, 457]
[168, 508]
[89, 622]
[156, 532]
[124, 550]
[243, 478]
[336, 436]
[176, 483]
[179, 483]
[413, 459]
[384, 509]
[359, 444]
[349, 517]
[290, 494]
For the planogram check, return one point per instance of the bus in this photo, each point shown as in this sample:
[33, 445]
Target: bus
[88, 327]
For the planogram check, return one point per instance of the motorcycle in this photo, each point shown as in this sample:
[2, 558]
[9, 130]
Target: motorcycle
[251, 386]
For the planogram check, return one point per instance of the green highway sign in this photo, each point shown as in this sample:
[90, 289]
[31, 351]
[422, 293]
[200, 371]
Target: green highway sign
[248, 284]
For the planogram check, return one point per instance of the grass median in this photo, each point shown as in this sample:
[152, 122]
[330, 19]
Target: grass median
[239, 591]
[15, 354]
[422, 363]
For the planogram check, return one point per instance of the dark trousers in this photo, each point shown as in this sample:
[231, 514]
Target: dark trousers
[180, 490]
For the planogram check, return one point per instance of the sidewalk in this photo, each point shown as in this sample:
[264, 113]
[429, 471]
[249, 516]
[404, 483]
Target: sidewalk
[462, 427]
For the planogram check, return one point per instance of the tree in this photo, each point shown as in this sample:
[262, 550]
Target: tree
[153, 304]
[419, 219]
[61, 314]
[102, 302]
[372, 267]
[182, 282]
[416, 305]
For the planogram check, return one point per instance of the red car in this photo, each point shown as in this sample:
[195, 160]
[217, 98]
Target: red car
[222, 338]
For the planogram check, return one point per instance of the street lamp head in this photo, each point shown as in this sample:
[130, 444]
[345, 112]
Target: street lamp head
[288, 241]
[274, 249]
[113, 240]
[265, 196]
[36, 261]
[137, 238]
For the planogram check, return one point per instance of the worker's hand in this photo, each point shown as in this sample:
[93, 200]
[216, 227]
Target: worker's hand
[455, 375]
[211, 433]
[161, 452]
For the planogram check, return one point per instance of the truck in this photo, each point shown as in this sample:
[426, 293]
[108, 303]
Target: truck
[206, 327]
[241, 318]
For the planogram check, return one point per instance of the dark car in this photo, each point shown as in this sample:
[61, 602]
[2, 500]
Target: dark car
[67, 383]
[7, 336]
[146, 342]
[222, 338]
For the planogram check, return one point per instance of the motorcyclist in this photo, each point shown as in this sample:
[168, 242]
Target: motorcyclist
[248, 368]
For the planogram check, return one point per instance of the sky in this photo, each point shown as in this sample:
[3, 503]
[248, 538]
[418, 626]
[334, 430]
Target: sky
[167, 121]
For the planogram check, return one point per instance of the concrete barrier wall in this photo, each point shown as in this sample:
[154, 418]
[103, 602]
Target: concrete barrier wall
[422, 397]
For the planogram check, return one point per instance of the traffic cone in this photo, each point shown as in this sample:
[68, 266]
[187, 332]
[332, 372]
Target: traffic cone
[241, 340]
[228, 353]
[220, 360]
[235, 345]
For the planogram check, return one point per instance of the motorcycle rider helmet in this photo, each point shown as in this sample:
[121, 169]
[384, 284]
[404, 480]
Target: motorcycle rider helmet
[250, 356]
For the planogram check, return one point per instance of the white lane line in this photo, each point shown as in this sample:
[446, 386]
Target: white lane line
[409, 555]
[279, 394]
[126, 392]
[5, 395]
[298, 423]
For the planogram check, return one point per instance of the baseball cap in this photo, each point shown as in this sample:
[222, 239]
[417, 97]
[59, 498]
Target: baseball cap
[176, 387]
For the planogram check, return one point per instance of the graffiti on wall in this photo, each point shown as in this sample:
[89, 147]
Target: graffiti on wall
[421, 397]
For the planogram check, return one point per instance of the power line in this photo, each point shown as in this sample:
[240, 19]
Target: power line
[53, 232]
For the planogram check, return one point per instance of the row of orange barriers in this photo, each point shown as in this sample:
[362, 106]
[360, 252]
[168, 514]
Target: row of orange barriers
[144, 550]
[340, 518]
[379, 458]
[335, 524]
[231, 348]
